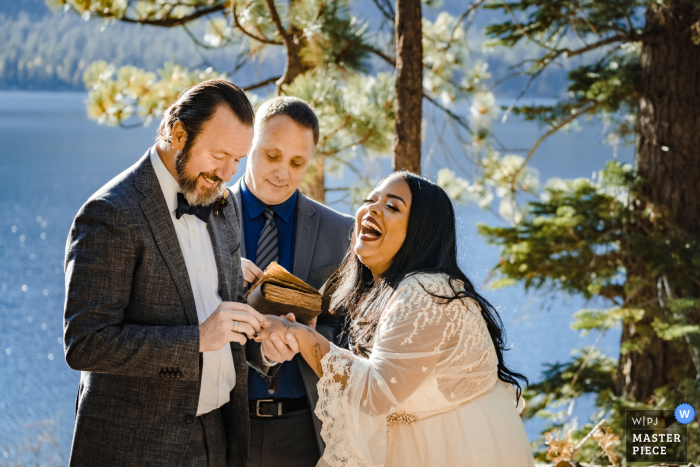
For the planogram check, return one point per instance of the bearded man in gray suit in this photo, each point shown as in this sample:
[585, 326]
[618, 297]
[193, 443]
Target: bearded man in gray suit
[154, 314]
[307, 238]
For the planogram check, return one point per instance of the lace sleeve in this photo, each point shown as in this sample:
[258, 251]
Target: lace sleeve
[415, 334]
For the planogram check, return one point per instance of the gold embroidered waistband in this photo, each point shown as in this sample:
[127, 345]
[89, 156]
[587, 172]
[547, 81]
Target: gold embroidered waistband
[401, 417]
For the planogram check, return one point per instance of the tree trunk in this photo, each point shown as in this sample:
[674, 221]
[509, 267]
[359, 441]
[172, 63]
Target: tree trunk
[668, 156]
[406, 149]
[314, 185]
[294, 64]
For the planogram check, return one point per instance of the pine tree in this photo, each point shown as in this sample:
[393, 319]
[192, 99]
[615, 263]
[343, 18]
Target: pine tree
[631, 235]
[319, 40]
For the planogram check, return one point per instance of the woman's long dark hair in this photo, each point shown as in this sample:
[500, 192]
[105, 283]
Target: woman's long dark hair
[430, 246]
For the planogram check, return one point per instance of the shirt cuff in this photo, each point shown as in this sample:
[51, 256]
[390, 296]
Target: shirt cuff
[267, 362]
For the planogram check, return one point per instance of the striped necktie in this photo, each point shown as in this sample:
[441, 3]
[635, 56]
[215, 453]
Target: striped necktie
[268, 250]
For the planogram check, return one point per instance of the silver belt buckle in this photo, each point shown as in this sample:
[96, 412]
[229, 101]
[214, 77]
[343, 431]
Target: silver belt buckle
[257, 408]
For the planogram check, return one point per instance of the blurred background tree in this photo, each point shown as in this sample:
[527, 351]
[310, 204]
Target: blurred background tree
[327, 53]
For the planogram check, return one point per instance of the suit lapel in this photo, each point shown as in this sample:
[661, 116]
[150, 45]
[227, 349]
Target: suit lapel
[307, 220]
[306, 234]
[155, 209]
[236, 189]
[221, 230]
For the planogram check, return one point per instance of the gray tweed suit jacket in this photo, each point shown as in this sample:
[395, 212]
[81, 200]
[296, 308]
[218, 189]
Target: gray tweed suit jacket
[131, 328]
[322, 240]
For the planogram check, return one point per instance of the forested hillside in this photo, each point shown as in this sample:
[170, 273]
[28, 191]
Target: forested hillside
[46, 50]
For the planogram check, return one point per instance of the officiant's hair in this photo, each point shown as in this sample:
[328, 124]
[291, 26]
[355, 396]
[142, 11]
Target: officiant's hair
[430, 246]
[297, 109]
[198, 104]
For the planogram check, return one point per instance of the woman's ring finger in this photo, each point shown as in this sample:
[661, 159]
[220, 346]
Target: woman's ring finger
[235, 326]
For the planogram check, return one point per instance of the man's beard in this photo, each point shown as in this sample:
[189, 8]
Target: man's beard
[188, 184]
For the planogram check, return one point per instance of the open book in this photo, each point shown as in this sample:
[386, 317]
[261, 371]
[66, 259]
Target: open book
[279, 292]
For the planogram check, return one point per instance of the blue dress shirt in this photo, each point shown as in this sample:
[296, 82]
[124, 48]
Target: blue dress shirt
[290, 383]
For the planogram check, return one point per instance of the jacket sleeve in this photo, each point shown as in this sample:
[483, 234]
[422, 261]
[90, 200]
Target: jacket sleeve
[99, 266]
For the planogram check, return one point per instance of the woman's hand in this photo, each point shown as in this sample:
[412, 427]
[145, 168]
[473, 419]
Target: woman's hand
[312, 345]
[278, 345]
[277, 325]
[250, 272]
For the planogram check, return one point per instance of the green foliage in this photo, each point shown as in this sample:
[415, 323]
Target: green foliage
[589, 372]
[608, 86]
[556, 387]
[581, 236]
[607, 34]
[115, 95]
[353, 111]
[556, 392]
[334, 37]
[571, 239]
[601, 320]
[361, 111]
[548, 22]
[139, 10]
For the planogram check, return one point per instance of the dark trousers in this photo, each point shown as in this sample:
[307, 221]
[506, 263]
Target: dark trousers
[207, 446]
[286, 441]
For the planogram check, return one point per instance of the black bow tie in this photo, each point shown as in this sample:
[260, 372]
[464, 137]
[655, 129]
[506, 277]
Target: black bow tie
[183, 207]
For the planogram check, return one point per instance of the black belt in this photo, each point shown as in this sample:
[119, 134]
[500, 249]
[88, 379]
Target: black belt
[267, 408]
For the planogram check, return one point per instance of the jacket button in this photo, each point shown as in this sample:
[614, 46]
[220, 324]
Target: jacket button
[178, 375]
[189, 419]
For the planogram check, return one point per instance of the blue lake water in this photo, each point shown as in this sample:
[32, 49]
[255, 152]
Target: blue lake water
[52, 158]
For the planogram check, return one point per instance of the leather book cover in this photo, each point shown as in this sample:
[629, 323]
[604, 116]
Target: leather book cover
[279, 292]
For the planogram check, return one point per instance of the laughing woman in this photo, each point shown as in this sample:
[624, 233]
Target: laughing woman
[423, 381]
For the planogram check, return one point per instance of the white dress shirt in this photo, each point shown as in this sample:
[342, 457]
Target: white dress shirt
[218, 372]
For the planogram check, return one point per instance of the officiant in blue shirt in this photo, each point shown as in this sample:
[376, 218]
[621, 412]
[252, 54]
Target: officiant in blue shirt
[308, 239]
[254, 220]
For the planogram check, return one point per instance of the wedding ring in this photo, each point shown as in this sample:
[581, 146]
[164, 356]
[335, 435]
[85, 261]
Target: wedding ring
[235, 326]
[264, 321]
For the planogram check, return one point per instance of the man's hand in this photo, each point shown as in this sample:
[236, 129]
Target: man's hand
[250, 272]
[277, 348]
[218, 329]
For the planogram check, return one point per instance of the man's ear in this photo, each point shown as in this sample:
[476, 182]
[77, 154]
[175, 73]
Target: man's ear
[179, 136]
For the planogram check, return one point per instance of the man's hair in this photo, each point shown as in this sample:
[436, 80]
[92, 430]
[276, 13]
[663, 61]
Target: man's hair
[293, 107]
[197, 105]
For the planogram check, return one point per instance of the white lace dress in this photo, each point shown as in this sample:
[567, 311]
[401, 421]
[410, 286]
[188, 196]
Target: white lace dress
[428, 395]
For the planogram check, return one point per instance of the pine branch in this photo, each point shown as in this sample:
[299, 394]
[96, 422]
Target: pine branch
[360, 141]
[241, 61]
[553, 130]
[390, 60]
[261, 84]
[277, 21]
[595, 45]
[454, 116]
[168, 22]
[386, 8]
[197, 42]
[239, 26]
[472, 8]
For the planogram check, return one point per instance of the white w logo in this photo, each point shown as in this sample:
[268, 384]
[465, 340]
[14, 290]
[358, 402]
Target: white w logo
[684, 413]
